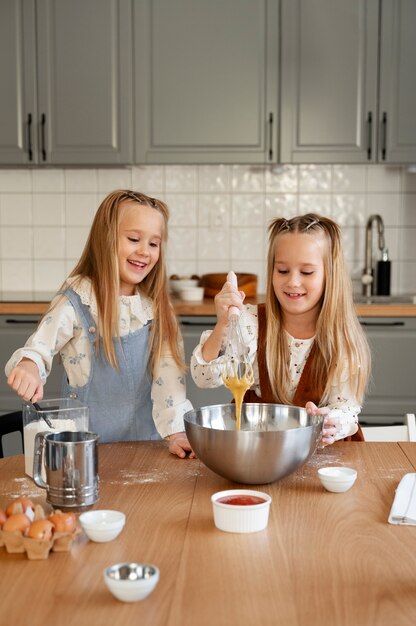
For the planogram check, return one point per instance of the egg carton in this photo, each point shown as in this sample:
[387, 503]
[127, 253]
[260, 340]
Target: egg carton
[36, 549]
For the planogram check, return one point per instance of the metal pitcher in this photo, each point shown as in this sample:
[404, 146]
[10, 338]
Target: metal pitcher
[70, 460]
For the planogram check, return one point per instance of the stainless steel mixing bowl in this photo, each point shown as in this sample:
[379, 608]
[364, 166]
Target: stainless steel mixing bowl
[273, 442]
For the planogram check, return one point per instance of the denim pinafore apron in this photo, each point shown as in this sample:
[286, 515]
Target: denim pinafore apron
[119, 401]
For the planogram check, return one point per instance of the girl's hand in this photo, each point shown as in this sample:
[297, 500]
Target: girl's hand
[228, 296]
[179, 445]
[24, 379]
[329, 430]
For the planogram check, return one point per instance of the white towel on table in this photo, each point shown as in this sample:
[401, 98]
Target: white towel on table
[403, 510]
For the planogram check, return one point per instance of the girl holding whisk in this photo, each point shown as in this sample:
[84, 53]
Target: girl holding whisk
[115, 329]
[306, 345]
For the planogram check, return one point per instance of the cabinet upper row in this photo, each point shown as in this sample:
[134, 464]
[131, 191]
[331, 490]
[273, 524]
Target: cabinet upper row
[207, 81]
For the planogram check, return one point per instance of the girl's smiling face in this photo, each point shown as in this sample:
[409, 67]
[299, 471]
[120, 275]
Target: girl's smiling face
[299, 273]
[139, 240]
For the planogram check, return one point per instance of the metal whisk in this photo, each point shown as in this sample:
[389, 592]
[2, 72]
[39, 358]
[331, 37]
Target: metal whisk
[237, 373]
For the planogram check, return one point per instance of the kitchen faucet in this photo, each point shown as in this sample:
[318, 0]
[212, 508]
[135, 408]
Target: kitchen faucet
[367, 278]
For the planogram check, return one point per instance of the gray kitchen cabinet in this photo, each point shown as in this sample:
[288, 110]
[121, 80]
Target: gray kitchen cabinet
[66, 77]
[342, 100]
[329, 80]
[206, 81]
[397, 84]
[14, 332]
[392, 390]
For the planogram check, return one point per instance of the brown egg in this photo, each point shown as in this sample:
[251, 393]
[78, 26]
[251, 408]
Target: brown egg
[63, 522]
[19, 506]
[3, 517]
[17, 521]
[41, 529]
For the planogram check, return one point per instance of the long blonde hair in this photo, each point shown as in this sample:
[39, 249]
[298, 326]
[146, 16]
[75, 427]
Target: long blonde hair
[339, 337]
[99, 263]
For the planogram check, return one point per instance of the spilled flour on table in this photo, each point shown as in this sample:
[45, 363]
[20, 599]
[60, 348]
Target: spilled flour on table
[21, 486]
[129, 477]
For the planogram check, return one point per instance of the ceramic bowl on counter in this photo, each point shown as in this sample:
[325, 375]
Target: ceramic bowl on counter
[176, 285]
[192, 294]
[130, 582]
[274, 440]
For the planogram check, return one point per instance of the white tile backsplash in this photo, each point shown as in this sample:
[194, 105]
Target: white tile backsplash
[48, 242]
[48, 275]
[80, 208]
[48, 209]
[182, 209]
[213, 178]
[248, 178]
[46, 180]
[111, 179]
[16, 181]
[383, 178]
[76, 237]
[315, 178]
[16, 242]
[80, 181]
[17, 275]
[349, 178]
[219, 215]
[149, 179]
[181, 178]
[282, 179]
[15, 209]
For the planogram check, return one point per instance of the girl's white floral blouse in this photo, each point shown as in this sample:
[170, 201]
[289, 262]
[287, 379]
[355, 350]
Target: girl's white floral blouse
[344, 408]
[60, 331]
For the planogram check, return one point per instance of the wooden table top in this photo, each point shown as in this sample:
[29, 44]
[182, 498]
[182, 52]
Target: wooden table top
[324, 559]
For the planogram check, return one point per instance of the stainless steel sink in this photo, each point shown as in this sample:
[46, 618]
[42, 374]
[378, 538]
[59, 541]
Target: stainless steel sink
[399, 299]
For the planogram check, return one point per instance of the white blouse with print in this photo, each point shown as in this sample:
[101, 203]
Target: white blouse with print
[60, 331]
[343, 406]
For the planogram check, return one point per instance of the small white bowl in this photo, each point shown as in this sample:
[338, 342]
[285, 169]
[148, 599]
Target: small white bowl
[192, 294]
[176, 286]
[337, 479]
[130, 582]
[102, 526]
[240, 518]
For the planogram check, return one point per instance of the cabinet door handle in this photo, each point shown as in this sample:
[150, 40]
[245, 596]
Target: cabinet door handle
[29, 137]
[270, 136]
[383, 136]
[12, 321]
[369, 135]
[42, 128]
[389, 324]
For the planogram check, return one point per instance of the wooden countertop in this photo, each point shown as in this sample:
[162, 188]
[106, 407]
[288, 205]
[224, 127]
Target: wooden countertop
[206, 307]
[344, 565]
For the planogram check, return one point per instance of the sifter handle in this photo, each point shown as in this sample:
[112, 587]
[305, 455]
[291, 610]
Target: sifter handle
[232, 279]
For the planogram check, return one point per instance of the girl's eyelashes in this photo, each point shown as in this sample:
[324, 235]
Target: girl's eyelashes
[154, 244]
[304, 273]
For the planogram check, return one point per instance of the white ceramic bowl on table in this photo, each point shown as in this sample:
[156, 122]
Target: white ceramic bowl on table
[337, 479]
[244, 517]
[102, 525]
[130, 582]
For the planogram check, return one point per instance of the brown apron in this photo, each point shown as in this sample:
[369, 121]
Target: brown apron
[304, 392]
